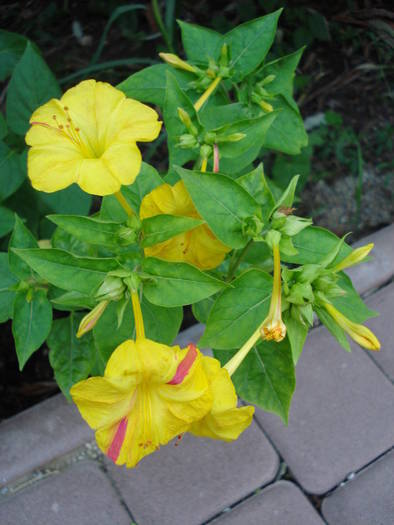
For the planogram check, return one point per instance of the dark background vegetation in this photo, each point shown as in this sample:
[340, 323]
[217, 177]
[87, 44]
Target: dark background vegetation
[344, 90]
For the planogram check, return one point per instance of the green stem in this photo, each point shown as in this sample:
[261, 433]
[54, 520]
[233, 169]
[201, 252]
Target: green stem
[233, 266]
[160, 23]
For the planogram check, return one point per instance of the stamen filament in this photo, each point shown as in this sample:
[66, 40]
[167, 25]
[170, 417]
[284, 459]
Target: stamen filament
[205, 96]
[138, 319]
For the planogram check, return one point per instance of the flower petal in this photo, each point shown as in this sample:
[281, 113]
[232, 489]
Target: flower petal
[52, 168]
[103, 401]
[123, 161]
[96, 178]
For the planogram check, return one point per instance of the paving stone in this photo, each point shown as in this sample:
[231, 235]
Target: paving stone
[80, 495]
[380, 269]
[192, 482]
[279, 504]
[383, 302]
[341, 416]
[38, 435]
[368, 499]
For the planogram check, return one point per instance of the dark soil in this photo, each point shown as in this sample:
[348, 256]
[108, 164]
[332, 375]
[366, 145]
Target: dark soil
[349, 73]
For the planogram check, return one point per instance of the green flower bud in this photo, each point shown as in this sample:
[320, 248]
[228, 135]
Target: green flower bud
[187, 141]
[205, 151]
[112, 289]
[252, 226]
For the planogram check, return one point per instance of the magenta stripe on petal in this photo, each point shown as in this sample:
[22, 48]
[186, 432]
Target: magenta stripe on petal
[184, 366]
[117, 442]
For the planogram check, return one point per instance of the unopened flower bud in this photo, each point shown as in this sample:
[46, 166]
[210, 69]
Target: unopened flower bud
[187, 121]
[234, 137]
[187, 141]
[223, 60]
[112, 289]
[267, 80]
[177, 62]
[268, 108]
[205, 151]
[89, 321]
[357, 256]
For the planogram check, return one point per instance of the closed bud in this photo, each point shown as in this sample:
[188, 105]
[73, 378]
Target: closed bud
[112, 289]
[265, 106]
[234, 137]
[89, 321]
[357, 256]
[205, 151]
[177, 62]
[187, 141]
[267, 80]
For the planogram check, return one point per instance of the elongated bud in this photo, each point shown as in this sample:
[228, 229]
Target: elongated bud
[205, 96]
[355, 257]
[267, 80]
[187, 122]
[177, 62]
[358, 332]
[89, 321]
[273, 328]
[223, 60]
[268, 108]
[234, 137]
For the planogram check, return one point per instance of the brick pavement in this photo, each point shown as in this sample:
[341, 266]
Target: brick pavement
[336, 449]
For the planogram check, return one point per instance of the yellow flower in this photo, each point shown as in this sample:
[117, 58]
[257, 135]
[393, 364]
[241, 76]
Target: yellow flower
[358, 332]
[149, 394]
[199, 246]
[273, 328]
[224, 420]
[88, 137]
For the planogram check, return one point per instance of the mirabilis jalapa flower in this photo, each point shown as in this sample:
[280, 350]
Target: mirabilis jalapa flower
[199, 246]
[88, 137]
[151, 393]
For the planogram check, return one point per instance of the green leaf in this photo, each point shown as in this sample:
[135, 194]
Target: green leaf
[69, 301]
[21, 238]
[67, 271]
[285, 167]
[147, 180]
[287, 198]
[149, 84]
[238, 311]
[32, 319]
[162, 227]
[3, 127]
[213, 117]
[287, 133]
[351, 305]
[200, 43]
[7, 279]
[250, 42]
[332, 327]
[296, 332]
[256, 185]
[176, 98]
[222, 202]
[284, 70]
[67, 242]
[31, 85]
[176, 284]
[71, 200]
[93, 231]
[267, 377]
[255, 130]
[12, 47]
[71, 358]
[313, 245]
[202, 308]
[161, 325]
[7, 221]
[12, 171]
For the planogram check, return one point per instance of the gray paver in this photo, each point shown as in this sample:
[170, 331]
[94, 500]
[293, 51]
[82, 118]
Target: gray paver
[279, 504]
[383, 302]
[81, 495]
[366, 500]
[38, 435]
[380, 269]
[192, 482]
[341, 416]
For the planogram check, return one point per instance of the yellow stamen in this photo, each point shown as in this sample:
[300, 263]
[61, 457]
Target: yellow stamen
[354, 258]
[123, 202]
[205, 96]
[138, 319]
[273, 328]
[358, 332]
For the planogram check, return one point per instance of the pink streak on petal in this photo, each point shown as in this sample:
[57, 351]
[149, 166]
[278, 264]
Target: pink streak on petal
[117, 442]
[184, 366]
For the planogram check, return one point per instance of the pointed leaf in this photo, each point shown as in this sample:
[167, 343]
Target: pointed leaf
[21, 238]
[162, 227]
[12, 171]
[7, 279]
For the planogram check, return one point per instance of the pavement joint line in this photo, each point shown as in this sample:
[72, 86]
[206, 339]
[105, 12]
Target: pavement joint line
[353, 475]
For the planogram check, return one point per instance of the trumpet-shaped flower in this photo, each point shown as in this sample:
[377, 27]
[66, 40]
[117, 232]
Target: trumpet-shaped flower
[199, 246]
[149, 394]
[273, 328]
[224, 421]
[88, 137]
[358, 332]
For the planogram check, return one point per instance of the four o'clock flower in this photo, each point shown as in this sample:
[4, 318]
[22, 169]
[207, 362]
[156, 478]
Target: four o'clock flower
[273, 328]
[88, 137]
